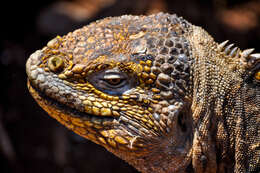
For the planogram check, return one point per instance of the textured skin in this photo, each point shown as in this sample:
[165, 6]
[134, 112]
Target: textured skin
[156, 91]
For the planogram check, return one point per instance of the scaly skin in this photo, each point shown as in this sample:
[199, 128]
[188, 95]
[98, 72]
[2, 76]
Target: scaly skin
[156, 91]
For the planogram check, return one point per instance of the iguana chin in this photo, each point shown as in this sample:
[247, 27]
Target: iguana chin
[156, 91]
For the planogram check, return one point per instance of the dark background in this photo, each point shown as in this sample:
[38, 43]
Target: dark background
[31, 141]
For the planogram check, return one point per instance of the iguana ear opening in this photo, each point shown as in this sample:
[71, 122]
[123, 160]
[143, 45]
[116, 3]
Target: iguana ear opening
[252, 77]
[257, 76]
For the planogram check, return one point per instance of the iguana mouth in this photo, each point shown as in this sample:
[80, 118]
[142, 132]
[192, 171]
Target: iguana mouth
[42, 98]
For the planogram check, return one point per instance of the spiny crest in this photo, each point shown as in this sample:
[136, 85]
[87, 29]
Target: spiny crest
[234, 52]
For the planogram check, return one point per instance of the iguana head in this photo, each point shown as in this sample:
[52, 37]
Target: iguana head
[131, 84]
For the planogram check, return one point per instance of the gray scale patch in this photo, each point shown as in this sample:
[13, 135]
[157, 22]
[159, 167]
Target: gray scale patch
[55, 89]
[164, 79]
[43, 86]
[40, 70]
[167, 94]
[156, 116]
[167, 68]
[33, 67]
[40, 78]
[34, 74]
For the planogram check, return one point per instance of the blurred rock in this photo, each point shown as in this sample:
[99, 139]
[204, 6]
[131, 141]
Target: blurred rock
[242, 18]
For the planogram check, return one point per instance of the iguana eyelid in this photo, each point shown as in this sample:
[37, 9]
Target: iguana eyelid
[114, 80]
[112, 76]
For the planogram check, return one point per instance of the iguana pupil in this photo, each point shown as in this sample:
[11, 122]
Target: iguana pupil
[115, 81]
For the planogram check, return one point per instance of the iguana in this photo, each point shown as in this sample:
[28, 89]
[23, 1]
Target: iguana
[156, 91]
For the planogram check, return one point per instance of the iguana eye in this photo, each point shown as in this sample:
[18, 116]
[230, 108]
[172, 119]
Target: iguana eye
[113, 79]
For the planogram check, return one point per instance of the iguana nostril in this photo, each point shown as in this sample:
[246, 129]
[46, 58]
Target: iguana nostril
[55, 63]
